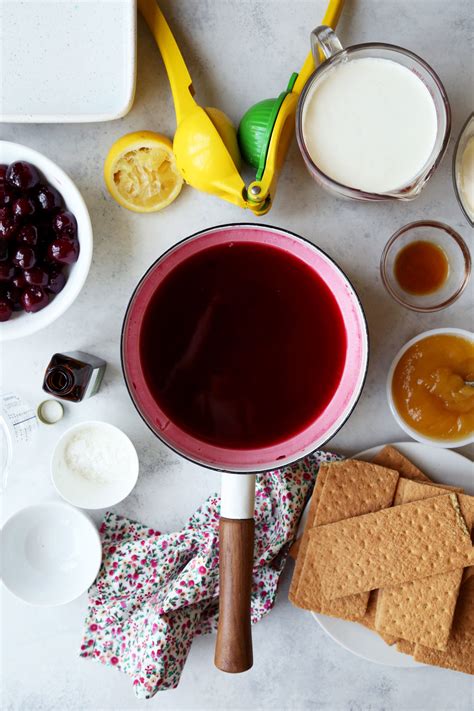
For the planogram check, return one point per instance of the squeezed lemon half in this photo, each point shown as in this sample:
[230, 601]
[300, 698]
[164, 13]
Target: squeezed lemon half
[140, 172]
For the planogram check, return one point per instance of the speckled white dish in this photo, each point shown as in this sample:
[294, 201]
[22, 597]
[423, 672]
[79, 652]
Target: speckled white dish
[50, 554]
[65, 61]
[442, 465]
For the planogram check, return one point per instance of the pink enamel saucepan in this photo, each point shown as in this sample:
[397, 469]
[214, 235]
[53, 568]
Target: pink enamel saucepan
[244, 348]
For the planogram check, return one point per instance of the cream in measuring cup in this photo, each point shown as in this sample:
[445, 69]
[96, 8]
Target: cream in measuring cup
[368, 122]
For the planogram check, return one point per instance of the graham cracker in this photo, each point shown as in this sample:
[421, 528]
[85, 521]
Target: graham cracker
[393, 459]
[459, 654]
[294, 549]
[469, 572]
[351, 488]
[389, 547]
[313, 505]
[369, 618]
[466, 511]
[446, 487]
[354, 488]
[407, 490]
[463, 623]
[412, 490]
[421, 611]
[405, 647]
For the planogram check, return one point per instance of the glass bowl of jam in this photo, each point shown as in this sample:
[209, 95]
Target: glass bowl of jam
[429, 388]
[425, 266]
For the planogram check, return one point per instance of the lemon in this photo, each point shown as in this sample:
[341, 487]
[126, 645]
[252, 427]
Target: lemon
[140, 172]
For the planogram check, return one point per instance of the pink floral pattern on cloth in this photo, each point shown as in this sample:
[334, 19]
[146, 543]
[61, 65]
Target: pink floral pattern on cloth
[155, 591]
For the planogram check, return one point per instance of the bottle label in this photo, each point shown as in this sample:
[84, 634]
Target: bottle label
[94, 383]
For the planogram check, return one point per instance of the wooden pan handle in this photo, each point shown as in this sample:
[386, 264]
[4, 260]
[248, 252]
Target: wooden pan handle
[234, 636]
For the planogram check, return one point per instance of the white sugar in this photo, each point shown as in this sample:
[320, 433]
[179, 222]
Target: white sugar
[95, 455]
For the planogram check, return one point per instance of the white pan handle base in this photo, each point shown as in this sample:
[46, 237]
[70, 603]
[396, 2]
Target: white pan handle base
[237, 495]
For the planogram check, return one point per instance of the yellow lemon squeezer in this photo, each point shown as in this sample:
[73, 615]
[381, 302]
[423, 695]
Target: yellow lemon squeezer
[207, 147]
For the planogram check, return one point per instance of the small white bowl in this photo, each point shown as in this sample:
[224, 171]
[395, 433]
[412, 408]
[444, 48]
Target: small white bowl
[450, 444]
[51, 553]
[87, 491]
[24, 324]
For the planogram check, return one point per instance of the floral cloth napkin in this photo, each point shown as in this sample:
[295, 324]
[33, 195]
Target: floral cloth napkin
[155, 591]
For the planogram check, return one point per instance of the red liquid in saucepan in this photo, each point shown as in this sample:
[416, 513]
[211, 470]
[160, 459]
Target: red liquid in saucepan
[243, 345]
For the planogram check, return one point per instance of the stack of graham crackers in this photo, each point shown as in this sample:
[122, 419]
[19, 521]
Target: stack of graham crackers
[386, 547]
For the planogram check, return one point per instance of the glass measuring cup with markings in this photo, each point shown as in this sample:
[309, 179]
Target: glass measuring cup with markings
[18, 425]
[373, 120]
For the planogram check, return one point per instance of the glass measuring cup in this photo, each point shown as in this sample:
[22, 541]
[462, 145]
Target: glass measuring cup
[18, 425]
[326, 44]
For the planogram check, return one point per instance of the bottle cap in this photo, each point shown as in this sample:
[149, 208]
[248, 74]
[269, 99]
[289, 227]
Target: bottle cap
[50, 411]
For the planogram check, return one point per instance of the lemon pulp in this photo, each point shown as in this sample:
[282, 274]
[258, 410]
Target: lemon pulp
[141, 173]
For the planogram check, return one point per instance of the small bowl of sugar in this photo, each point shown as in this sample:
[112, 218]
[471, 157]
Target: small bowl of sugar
[94, 465]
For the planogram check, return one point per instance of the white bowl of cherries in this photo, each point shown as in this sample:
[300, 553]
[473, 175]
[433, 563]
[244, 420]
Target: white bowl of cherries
[45, 241]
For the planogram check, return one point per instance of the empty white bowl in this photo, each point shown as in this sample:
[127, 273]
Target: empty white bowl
[80, 476]
[50, 554]
[446, 444]
[24, 324]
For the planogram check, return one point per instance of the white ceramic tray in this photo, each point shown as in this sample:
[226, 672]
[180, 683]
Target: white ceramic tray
[67, 61]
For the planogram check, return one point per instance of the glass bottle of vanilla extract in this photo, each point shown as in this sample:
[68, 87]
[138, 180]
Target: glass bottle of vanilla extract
[74, 376]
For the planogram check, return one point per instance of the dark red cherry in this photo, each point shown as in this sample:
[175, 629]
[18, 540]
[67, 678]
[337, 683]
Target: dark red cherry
[13, 294]
[65, 224]
[34, 298]
[5, 309]
[45, 229]
[56, 283]
[7, 194]
[36, 276]
[3, 250]
[3, 172]
[8, 228]
[18, 279]
[23, 208]
[7, 271]
[64, 251]
[48, 198]
[22, 175]
[24, 257]
[28, 234]
[8, 225]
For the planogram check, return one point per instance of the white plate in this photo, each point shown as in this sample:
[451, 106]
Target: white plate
[442, 465]
[65, 61]
[50, 554]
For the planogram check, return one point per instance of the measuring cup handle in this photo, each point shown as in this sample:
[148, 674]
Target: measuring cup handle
[325, 39]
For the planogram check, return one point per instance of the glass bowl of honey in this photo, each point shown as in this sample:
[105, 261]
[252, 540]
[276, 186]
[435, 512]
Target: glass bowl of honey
[430, 387]
[425, 266]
